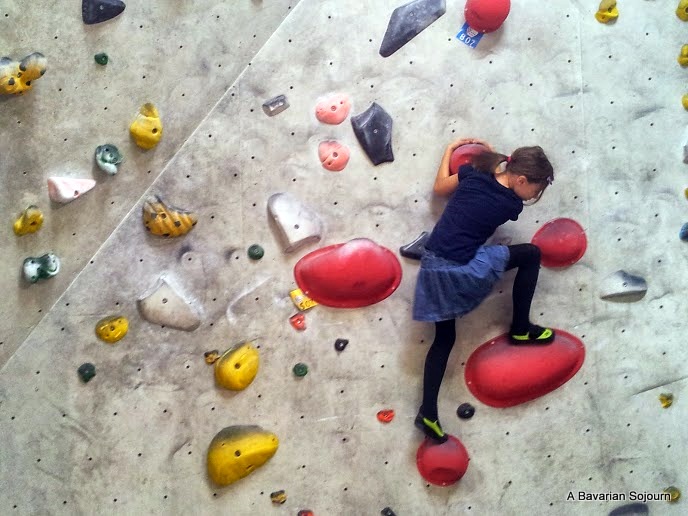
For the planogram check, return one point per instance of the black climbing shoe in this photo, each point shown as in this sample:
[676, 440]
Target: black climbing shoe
[536, 335]
[432, 429]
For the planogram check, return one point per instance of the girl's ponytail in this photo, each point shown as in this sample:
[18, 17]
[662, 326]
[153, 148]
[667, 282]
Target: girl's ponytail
[488, 161]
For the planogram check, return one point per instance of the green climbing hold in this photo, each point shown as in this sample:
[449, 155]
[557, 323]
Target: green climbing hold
[300, 369]
[101, 59]
[255, 252]
[86, 372]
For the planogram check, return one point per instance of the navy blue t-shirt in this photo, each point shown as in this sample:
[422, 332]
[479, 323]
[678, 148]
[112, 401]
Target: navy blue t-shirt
[475, 210]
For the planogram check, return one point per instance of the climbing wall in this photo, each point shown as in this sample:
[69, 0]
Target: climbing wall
[602, 100]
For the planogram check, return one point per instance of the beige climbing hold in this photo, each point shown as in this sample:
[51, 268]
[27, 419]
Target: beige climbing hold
[607, 11]
[66, 189]
[165, 305]
[299, 225]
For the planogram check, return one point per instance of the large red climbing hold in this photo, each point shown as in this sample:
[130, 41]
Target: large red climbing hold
[357, 273]
[501, 374]
[562, 242]
[464, 155]
[442, 464]
[486, 15]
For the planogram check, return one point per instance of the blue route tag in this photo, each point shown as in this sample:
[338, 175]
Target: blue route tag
[469, 36]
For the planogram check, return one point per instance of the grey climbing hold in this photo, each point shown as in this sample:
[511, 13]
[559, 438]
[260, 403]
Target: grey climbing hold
[387, 512]
[631, 509]
[299, 224]
[408, 21]
[166, 306]
[373, 129]
[275, 105]
[97, 11]
[622, 284]
[415, 249]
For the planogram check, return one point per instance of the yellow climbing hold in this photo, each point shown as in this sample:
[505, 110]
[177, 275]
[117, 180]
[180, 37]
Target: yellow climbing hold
[146, 129]
[666, 399]
[29, 222]
[683, 56]
[17, 77]
[607, 11]
[237, 367]
[682, 10]
[684, 101]
[237, 451]
[167, 221]
[674, 494]
[112, 329]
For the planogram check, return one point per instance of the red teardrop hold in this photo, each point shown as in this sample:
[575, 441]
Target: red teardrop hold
[357, 273]
[561, 241]
[442, 464]
[501, 374]
[463, 155]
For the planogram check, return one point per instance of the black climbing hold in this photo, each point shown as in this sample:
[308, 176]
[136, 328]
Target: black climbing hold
[415, 249]
[101, 59]
[97, 11]
[86, 371]
[373, 129]
[465, 411]
[255, 252]
[387, 512]
[408, 21]
[340, 344]
[631, 509]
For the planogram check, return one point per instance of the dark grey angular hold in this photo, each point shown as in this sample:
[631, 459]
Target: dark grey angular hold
[373, 130]
[415, 249]
[387, 512]
[408, 21]
[97, 11]
[275, 105]
[631, 509]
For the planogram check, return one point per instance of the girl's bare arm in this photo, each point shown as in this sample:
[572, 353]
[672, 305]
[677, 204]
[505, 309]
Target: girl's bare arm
[446, 184]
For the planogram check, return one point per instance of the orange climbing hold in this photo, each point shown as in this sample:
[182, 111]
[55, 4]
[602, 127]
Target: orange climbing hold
[333, 109]
[334, 156]
[501, 374]
[298, 321]
[385, 416]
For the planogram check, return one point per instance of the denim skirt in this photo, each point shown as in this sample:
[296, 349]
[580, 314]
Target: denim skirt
[446, 289]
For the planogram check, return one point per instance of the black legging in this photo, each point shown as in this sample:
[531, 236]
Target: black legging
[524, 256]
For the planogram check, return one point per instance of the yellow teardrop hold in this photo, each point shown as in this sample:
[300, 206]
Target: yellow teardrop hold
[236, 451]
[237, 367]
[29, 222]
[683, 56]
[167, 221]
[112, 329]
[146, 129]
[607, 11]
[684, 101]
[682, 10]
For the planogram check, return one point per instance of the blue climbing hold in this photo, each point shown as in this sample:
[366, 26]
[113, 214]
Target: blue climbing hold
[683, 233]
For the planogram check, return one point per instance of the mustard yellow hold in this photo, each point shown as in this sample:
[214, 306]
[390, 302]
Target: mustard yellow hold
[683, 56]
[237, 451]
[167, 221]
[237, 367]
[28, 222]
[682, 10]
[16, 77]
[684, 101]
[607, 11]
[112, 329]
[146, 129]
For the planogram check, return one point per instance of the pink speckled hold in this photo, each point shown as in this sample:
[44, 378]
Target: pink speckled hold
[333, 109]
[333, 155]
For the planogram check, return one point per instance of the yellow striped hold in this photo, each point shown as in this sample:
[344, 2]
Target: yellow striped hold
[167, 221]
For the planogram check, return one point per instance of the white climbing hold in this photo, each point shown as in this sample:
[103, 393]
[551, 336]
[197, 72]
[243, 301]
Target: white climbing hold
[299, 225]
[164, 304]
[620, 284]
[66, 189]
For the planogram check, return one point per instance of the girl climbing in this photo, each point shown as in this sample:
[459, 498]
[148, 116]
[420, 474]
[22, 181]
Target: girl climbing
[458, 271]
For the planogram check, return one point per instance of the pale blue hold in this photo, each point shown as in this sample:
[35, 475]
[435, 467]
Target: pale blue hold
[43, 267]
[683, 234]
[108, 157]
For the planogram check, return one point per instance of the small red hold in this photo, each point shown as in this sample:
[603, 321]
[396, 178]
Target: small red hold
[333, 109]
[562, 242]
[298, 321]
[305, 512]
[385, 416]
[464, 155]
[334, 156]
[351, 275]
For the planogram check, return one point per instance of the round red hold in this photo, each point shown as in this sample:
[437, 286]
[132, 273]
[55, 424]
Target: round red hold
[464, 155]
[385, 416]
[486, 15]
[562, 242]
[442, 464]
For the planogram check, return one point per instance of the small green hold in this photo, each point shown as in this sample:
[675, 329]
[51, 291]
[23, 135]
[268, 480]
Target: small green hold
[255, 252]
[101, 59]
[86, 371]
[300, 369]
